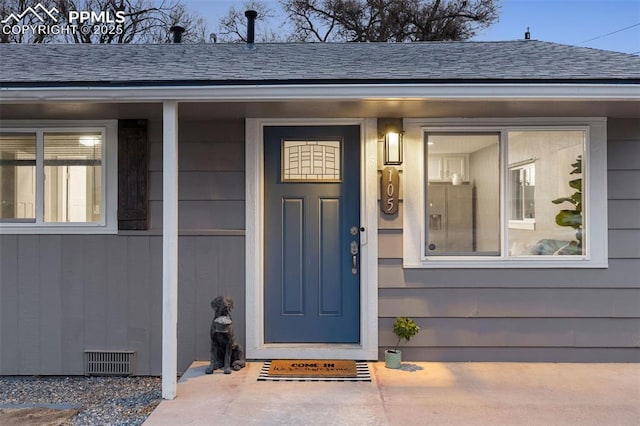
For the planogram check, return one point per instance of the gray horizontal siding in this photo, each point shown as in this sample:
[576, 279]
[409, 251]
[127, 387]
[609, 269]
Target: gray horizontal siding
[521, 354]
[210, 177]
[624, 244]
[62, 295]
[588, 315]
[623, 154]
[622, 273]
[205, 215]
[519, 332]
[622, 184]
[510, 303]
[202, 186]
[203, 156]
[624, 214]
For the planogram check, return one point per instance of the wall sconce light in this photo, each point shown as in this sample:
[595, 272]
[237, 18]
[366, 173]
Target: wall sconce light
[393, 148]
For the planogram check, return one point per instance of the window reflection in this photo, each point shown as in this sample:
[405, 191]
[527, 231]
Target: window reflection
[463, 194]
[73, 177]
[17, 177]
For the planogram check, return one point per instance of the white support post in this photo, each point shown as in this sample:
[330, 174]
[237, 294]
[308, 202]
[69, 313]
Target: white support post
[169, 249]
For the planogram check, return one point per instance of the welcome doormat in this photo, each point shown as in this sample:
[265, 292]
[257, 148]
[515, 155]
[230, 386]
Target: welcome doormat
[315, 370]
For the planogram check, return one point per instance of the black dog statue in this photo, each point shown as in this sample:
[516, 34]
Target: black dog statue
[225, 352]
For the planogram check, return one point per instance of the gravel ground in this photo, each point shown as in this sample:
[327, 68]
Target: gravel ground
[101, 400]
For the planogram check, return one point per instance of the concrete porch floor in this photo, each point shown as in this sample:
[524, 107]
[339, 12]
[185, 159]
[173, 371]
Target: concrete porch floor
[420, 393]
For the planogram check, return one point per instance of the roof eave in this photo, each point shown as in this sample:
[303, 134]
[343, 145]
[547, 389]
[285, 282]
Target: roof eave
[626, 90]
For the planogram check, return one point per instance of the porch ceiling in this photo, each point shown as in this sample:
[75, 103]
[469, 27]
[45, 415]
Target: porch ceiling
[324, 109]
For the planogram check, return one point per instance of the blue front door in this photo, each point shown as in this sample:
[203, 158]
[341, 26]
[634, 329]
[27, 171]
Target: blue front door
[312, 221]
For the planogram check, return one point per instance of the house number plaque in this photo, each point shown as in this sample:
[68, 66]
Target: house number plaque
[390, 190]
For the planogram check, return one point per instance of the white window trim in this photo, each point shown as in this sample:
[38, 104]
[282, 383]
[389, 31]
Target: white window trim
[109, 223]
[595, 160]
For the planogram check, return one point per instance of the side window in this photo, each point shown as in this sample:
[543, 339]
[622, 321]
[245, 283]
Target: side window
[54, 178]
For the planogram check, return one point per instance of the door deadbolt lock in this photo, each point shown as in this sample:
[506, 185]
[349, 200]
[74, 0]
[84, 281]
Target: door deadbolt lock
[354, 248]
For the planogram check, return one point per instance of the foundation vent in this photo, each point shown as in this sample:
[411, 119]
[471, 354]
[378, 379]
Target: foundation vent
[109, 363]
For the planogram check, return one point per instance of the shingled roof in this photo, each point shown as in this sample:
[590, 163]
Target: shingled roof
[522, 61]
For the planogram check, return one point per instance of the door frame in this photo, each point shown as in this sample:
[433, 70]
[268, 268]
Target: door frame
[256, 348]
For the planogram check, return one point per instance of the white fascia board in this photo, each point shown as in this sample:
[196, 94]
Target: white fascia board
[284, 92]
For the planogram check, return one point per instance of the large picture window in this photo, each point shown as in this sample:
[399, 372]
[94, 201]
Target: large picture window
[517, 195]
[54, 178]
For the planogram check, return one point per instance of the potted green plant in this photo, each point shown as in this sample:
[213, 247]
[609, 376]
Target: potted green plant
[404, 328]
[572, 217]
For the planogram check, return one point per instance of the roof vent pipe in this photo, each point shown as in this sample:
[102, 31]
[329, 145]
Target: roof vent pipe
[251, 26]
[176, 31]
[527, 34]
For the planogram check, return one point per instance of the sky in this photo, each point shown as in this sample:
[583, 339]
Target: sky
[600, 24]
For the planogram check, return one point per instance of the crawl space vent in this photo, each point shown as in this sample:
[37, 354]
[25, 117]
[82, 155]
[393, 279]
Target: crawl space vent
[109, 363]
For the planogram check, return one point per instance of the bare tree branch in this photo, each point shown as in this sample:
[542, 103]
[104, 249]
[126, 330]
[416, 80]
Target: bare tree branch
[389, 20]
[144, 21]
[233, 26]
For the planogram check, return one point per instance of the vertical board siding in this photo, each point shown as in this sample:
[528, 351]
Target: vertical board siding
[231, 280]
[105, 293]
[216, 269]
[9, 304]
[186, 291]
[95, 291]
[117, 298]
[155, 310]
[207, 269]
[590, 315]
[28, 304]
[50, 314]
[139, 291]
[73, 304]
